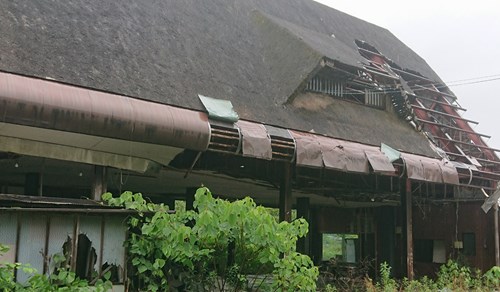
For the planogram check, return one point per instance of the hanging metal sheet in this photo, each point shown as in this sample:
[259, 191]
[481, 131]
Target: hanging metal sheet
[343, 155]
[390, 152]
[449, 172]
[219, 109]
[380, 162]
[256, 141]
[414, 168]
[308, 149]
[432, 171]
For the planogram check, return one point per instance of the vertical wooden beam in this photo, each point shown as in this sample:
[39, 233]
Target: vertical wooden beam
[99, 182]
[497, 242]
[303, 211]
[316, 238]
[408, 226]
[286, 193]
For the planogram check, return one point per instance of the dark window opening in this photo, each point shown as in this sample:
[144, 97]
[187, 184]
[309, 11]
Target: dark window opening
[422, 249]
[469, 241]
[85, 258]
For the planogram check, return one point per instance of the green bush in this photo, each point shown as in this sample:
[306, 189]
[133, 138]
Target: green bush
[222, 245]
[61, 281]
[451, 277]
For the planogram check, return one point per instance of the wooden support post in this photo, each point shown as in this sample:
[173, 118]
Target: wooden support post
[303, 206]
[286, 194]
[497, 243]
[99, 182]
[408, 226]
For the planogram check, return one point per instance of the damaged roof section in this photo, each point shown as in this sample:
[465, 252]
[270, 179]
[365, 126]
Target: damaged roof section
[257, 55]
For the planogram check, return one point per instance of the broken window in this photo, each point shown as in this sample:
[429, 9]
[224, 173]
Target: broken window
[429, 251]
[340, 247]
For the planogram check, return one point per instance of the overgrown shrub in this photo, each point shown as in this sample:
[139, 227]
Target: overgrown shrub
[221, 246]
[61, 280]
[451, 277]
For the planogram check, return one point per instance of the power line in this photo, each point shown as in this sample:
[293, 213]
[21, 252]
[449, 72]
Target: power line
[474, 82]
[473, 78]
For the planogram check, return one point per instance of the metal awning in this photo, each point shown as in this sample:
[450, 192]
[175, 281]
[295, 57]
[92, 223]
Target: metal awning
[51, 105]
[308, 149]
[320, 151]
[256, 141]
[429, 169]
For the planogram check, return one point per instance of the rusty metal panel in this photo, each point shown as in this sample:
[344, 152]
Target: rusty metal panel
[61, 229]
[308, 149]
[114, 237]
[380, 162]
[8, 233]
[343, 155]
[31, 243]
[423, 168]
[256, 141]
[432, 171]
[45, 104]
[449, 172]
[414, 168]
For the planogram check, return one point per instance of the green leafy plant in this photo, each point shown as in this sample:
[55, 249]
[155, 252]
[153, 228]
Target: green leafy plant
[386, 283]
[221, 246]
[61, 280]
[454, 276]
[491, 278]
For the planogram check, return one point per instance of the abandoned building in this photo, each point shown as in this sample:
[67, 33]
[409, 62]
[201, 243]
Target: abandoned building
[293, 103]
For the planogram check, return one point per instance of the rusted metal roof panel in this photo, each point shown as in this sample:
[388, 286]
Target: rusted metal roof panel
[414, 168]
[308, 149]
[45, 104]
[429, 169]
[343, 155]
[432, 171]
[256, 141]
[380, 162]
[449, 172]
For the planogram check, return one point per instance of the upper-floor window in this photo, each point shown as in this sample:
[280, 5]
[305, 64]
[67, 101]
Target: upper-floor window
[347, 91]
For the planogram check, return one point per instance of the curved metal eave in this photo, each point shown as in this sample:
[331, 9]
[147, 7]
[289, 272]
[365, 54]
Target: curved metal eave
[51, 105]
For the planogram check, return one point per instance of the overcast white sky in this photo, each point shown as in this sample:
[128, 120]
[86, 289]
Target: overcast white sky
[458, 39]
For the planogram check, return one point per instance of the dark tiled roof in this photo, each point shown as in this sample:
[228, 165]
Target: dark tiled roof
[254, 52]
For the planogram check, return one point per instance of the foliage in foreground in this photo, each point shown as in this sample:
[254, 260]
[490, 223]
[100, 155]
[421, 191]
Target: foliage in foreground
[224, 246]
[61, 280]
[451, 277]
